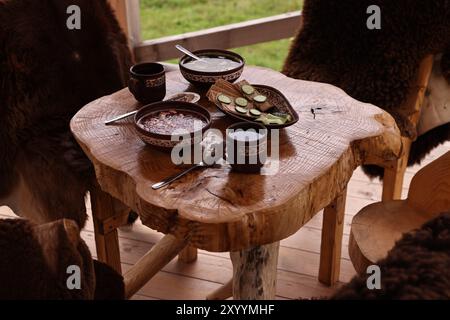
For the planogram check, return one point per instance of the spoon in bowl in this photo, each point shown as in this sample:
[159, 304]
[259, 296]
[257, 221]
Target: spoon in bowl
[190, 54]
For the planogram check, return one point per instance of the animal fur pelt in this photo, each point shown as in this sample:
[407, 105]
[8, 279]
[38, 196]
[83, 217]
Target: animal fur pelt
[418, 267]
[109, 284]
[34, 261]
[47, 73]
[335, 46]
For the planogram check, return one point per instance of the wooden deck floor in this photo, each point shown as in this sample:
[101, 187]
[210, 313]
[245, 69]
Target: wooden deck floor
[298, 263]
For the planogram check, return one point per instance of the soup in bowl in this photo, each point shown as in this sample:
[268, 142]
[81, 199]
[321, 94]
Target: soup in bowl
[158, 123]
[215, 64]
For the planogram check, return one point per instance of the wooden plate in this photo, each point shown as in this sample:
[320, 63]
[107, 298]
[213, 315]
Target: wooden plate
[275, 98]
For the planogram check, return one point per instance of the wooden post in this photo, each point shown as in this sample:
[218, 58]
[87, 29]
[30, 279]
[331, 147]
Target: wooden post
[255, 272]
[128, 15]
[331, 245]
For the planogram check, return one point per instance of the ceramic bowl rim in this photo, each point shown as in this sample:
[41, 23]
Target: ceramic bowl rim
[190, 107]
[215, 73]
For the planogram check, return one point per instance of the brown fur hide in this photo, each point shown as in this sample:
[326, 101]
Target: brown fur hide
[34, 261]
[47, 73]
[335, 46]
[418, 267]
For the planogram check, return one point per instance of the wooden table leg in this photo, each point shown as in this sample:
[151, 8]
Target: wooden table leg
[105, 206]
[188, 254]
[331, 245]
[151, 263]
[255, 272]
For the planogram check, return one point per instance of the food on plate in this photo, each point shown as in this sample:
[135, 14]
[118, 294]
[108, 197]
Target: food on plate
[241, 110]
[167, 122]
[241, 102]
[224, 99]
[212, 64]
[252, 102]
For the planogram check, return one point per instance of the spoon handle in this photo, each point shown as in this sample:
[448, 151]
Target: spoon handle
[186, 51]
[171, 179]
[123, 116]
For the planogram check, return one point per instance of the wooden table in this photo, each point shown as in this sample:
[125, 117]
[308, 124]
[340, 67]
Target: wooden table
[218, 210]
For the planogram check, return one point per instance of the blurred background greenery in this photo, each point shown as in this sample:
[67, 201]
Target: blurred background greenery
[168, 17]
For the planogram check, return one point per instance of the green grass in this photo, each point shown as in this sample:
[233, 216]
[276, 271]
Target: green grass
[168, 17]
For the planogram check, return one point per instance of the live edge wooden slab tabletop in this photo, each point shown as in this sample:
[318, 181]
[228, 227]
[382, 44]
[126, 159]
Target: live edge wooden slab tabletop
[219, 210]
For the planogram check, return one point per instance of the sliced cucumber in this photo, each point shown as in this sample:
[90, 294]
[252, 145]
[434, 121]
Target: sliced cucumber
[224, 99]
[247, 89]
[260, 98]
[255, 112]
[284, 116]
[272, 119]
[241, 102]
[241, 110]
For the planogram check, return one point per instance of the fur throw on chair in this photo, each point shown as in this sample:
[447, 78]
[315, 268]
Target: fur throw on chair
[418, 267]
[34, 261]
[335, 46]
[47, 73]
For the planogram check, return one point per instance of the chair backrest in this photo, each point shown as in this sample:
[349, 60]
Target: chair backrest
[416, 94]
[48, 72]
[430, 188]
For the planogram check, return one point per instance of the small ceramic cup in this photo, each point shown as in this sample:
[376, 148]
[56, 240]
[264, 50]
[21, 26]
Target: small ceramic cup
[246, 146]
[147, 82]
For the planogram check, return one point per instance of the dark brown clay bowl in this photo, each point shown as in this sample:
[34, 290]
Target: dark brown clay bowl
[204, 79]
[164, 141]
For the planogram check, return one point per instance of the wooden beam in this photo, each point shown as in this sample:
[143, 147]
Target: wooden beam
[151, 263]
[128, 15]
[223, 37]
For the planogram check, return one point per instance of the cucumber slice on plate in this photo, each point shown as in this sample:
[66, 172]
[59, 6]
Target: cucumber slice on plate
[224, 99]
[260, 98]
[241, 110]
[241, 102]
[255, 112]
[247, 89]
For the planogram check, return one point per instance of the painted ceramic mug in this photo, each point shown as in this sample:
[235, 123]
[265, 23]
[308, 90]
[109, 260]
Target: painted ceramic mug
[246, 146]
[147, 82]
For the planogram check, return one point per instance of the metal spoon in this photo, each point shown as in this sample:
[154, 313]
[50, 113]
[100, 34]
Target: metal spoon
[171, 179]
[212, 158]
[195, 98]
[123, 116]
[186, 51]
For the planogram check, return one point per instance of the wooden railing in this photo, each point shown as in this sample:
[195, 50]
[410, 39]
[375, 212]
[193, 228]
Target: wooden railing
[224, 37]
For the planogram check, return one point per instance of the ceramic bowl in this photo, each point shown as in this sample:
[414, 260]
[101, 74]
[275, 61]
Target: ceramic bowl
[205, 79]
[165, 141]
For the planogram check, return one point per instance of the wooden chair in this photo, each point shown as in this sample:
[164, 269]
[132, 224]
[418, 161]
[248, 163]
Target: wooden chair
[377, 227]
[394, 172]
